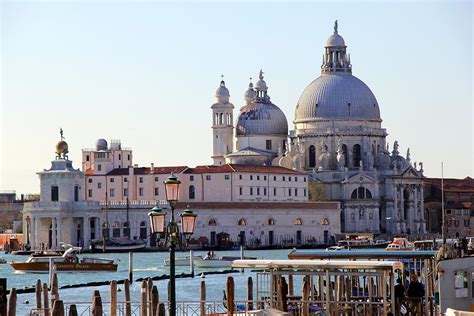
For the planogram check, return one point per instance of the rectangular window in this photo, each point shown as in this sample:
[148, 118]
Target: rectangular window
[296, 179]
[76, 193]
[208, 177]
[141, 179]
[156, 179]
[191, 178]
[251, 191]
[227, 177]
[240, 177]
[140, 191]
[156, 191]
[283, 178]
[458, 212]
[54, 193]
[89, 180]
[289, 192]
[296, 192]
[289, 179]
[112, 192]
[448, 212]
[128, 157]
[268, 144]
[304, 179]
[466, 223]
[87, 158]
[460, 284]
[258, 191]
[112, 180]
[265, 191]
[89, 193]
[120, 157]
[125, 179]
[251, 177]
[125, 192]
[274, 191]
[258, 177]
[456, 223]
[264, 177]
[99, 185]
[274, 178]
[304, 192]
[99, 167]
[240, 191]
[466, 212]
[449, 222]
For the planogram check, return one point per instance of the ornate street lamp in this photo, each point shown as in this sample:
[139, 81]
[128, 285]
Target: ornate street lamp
[171, 230]
[27, 220]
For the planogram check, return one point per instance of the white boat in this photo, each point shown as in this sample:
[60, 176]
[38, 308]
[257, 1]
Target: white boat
[336, 248]
[400, 244]
[216, 262]
[118, 245]
[180, 261]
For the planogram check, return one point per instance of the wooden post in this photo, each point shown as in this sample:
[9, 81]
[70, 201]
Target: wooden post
[130, 267]
[328, 293]
[161, 309]
[46, 297]
[38, 294]
[58, 308]
[149, 290]
[12, 302]
[54, 289]
[291, 287]
[144, 298]
[191, 262]
[250, 293]
[72, 310]
[113, 298]
[384, 293]
[202, 299]
[96, 304]
[305, 297]
[154, 300]
[128, 307]
[283, 294]
[230, 296]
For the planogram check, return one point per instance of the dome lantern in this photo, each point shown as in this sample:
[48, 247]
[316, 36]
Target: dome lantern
[222, 93]
[335, 58]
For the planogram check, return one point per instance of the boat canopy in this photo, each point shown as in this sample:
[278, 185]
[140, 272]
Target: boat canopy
[362, 254]
[312, 264]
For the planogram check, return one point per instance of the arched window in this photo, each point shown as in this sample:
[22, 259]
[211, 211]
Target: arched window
[312, 156]
[271, 221]
[116, 229]
[346, 158]
[212, 222]
[298, 221]
[242, 222]
[143, 231]
[361, 193]
[216, 119]
[192, 192]
[356, 155]
[221, 119]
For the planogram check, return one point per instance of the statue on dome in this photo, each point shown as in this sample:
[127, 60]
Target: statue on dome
[61, 133]
[260, 75]
[335, 26]
[408, 159]
[395, 151]
[62, 148]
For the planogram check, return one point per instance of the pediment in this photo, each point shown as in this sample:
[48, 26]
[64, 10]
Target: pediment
[411, 172]
[360, 178]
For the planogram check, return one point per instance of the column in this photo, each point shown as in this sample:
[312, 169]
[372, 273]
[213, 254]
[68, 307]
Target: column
[97, 228]
[53, 233]
[72, 232]
[37, 233]
[59, 230]
[32, 232]
[86, 232]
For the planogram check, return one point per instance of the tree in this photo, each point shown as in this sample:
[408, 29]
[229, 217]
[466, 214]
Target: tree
[316, 191]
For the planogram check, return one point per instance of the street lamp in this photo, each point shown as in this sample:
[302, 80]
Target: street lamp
[27, 220]
[171, 230]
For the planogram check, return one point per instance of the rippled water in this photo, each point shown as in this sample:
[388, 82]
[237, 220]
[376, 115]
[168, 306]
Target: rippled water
[144, 265]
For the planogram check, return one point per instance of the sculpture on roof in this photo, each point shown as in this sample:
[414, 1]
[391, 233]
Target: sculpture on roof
[335, 26]
[395, 151]
[341, 159]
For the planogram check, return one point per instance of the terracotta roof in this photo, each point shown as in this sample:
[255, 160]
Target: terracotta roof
[452, 185]
[230, 168]
[146, 170]
[260, 205]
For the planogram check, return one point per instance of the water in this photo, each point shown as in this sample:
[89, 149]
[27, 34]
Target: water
[144, 265]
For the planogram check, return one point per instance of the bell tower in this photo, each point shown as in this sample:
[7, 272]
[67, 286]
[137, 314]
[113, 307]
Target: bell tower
[222, 125]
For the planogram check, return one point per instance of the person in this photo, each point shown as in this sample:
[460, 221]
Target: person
[415, 289]
[399, 290]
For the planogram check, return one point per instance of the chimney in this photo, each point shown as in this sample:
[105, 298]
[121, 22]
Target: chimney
[130, 170]
[152, 168]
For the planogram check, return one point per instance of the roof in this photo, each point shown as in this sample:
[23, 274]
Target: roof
[231, 168]
[250, 151]
[260, 205]
[451, 184]
[360, 254]
[147, 170]
[314, 264]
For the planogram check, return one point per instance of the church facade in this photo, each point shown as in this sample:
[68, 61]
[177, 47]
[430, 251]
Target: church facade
[338, 140]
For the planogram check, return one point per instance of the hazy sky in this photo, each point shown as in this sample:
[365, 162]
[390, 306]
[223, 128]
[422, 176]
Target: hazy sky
[146, 73]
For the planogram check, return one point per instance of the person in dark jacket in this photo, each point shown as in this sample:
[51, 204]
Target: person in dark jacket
[399, 290]
[415, 289]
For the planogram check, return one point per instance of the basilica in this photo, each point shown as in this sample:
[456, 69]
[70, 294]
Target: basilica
[338, 140]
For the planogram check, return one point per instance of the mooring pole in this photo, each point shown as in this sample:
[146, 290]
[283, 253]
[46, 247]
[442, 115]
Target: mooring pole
[130, 267]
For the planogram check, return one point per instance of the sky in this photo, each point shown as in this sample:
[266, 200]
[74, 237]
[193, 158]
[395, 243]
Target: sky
[146, 73]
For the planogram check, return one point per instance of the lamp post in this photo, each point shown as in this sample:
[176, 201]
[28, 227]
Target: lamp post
[171, 230]
[27, 220]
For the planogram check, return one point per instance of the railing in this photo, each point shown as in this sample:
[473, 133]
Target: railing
[85, 309]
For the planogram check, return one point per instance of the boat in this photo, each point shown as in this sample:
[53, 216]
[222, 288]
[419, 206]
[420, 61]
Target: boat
[180, 261]
[363, 243]
[400, 243]
[336, 248]
[216, 262]
[2, 261]
[67, 262]
[118, 245]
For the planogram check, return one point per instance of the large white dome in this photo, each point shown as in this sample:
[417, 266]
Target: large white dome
[337, 96]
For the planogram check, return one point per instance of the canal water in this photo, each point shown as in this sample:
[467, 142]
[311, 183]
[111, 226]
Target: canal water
[144, 265]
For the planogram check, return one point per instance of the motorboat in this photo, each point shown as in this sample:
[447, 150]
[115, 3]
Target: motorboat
[336, 248]
[363, 243]
[400, 243]
[180, 261]
[118, 245]
[216, 262]
[67, 262]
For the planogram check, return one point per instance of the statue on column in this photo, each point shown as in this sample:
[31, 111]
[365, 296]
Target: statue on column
[369, 160]
[341, 159]
[395, 151]
[324, 156]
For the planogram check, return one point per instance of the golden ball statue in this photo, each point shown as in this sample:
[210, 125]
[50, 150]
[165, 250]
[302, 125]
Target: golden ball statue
[61, 147]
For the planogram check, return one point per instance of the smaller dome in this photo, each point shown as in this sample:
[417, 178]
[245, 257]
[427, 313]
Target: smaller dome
[250, 94]
[335, 40]
[101, 144]
[62, 147]
[222, 91]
